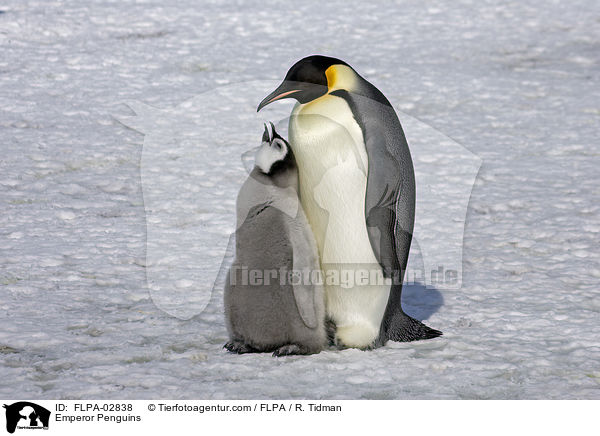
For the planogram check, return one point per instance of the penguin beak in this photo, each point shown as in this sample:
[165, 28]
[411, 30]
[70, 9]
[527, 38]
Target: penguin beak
[266, 137]
[281, 92]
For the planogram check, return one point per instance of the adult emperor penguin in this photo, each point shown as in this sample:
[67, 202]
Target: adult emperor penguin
[342, 120]
[269, 306]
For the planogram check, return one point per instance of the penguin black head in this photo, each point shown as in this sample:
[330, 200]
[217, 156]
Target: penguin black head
[310, 78]
[274, 154]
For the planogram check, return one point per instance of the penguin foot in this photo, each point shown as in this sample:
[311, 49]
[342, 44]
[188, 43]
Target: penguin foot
[330, 329]
[360, 335]
[238, 347]
[290, 349]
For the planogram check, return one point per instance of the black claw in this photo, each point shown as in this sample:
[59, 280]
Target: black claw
[238, 347]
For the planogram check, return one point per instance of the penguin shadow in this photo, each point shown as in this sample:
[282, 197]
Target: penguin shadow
[420, 301]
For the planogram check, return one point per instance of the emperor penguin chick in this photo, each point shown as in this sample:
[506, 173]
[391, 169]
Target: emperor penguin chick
[271, 303]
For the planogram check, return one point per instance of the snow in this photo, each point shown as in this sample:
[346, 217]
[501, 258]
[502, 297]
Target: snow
[514, 84]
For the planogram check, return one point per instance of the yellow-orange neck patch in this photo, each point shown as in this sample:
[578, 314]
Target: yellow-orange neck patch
[340, 77]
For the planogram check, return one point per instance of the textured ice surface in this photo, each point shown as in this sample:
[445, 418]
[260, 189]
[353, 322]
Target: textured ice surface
[515, 83]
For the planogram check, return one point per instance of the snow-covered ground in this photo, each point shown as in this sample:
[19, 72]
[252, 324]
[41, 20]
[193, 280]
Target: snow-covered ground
[515, 83]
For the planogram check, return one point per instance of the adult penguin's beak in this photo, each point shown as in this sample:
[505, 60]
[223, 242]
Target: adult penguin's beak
[283, 91]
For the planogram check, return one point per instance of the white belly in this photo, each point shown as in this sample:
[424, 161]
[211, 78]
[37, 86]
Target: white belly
[332, 163]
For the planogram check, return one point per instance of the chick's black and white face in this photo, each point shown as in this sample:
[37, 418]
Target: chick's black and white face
[270, 153]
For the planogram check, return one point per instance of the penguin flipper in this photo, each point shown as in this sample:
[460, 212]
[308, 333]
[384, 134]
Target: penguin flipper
[304, 294]
[304, 261]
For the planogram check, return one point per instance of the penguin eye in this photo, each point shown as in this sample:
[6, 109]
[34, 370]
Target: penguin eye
[278, 145]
